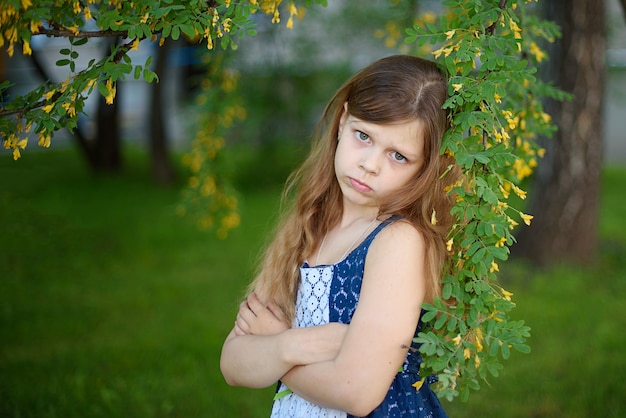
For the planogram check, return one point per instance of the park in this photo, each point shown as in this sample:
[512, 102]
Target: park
[120, 278]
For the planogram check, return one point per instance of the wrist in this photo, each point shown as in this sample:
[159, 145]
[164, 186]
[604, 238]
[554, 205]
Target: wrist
[288, 346]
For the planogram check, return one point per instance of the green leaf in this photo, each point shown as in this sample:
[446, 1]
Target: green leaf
[78, 41]
[440, 321]
[175, 33]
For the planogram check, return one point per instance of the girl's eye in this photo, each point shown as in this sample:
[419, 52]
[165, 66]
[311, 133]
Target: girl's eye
[398, 157]
[362, 136]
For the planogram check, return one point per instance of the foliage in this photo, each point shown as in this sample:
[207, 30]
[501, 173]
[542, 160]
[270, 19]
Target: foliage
[209, 197]
[51, 107]
[490, 51]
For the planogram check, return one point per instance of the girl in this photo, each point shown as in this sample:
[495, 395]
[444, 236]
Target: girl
[336, 304]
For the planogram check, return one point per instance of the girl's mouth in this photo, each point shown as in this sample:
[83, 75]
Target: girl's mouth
[358, 186]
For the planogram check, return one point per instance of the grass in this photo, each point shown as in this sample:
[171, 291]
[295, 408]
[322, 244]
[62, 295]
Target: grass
[112, 306]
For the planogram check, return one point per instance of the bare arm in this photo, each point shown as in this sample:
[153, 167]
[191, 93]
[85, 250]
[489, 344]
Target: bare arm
[358, 379]
[261, 348]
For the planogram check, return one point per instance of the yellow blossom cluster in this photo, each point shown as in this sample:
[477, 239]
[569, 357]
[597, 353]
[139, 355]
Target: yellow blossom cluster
[392, 36]
[110, 86]
[15, 143]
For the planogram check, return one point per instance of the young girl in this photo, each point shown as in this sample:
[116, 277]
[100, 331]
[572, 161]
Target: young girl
[336, 305]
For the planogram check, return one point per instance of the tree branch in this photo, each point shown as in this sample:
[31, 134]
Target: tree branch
[66, 33]
[492, 28]
[23, 110]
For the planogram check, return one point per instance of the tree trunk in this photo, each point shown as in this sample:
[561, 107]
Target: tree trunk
[162, 170]
[107, 145]
[566, 190]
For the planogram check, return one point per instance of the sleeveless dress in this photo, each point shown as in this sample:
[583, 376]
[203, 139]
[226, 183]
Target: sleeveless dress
[330, 293]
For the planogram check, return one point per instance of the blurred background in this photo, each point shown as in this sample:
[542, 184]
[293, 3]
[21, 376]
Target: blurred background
[112, 305]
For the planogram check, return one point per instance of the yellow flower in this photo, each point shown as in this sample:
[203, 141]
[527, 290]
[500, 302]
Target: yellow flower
[537, 52]
[506, 294]
[505, 192]
[48, 108]
[74, 29]
[87, 12]
[478, 339]
[227, 23]
[44, 140]
[443, 50]
[433, 217]
[526, 218]
[494, 267]
[467, 353]
[34, 26]
[111, 88]
[26, 48]
[135, 45]
[497, 98]
[457, 340]
[417, 385]
[519, 192]
[517, 32]
[69, 108]
[457, 87]
[449, 244]
[16, 148]
[48, 95]
[450, 34]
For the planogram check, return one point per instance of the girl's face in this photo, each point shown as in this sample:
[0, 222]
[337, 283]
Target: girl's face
[374, 160]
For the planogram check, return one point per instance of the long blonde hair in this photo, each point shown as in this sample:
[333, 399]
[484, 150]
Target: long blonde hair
[394, 89]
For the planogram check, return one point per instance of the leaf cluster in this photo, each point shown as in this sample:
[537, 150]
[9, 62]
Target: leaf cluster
[489, 49]
[53, 106]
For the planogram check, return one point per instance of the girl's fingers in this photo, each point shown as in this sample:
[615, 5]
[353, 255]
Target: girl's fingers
[276, 311]
[238, 330]
[254, 303]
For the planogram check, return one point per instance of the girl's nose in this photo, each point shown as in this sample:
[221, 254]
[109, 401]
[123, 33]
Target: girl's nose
[370, 164]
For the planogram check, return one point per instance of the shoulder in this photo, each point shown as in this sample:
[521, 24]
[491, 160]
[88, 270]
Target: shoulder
[397, 235]
[400, 247]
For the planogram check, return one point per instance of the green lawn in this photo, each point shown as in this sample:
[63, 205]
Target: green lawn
[113, 306]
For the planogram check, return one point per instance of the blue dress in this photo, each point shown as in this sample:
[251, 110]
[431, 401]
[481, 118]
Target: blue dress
[330, 294]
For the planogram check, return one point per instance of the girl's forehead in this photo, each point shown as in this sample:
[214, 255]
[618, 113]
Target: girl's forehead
[413, 125]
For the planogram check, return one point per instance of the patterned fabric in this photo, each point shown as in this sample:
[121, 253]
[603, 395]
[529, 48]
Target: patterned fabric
[330, 294]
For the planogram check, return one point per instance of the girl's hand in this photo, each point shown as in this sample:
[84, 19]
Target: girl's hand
[314, 344]
[255, 318]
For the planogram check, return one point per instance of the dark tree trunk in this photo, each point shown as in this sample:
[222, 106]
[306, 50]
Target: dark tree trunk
[566, 190]
[107, 145]
[162, 170]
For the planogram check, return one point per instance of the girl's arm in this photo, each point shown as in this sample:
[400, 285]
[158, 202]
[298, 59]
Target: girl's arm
[382, 328]
[261, 348]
